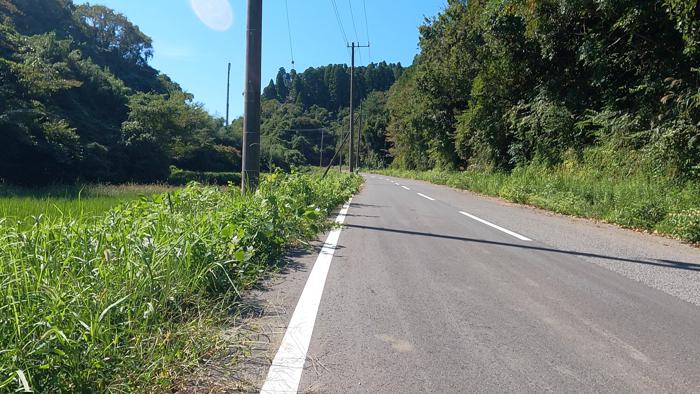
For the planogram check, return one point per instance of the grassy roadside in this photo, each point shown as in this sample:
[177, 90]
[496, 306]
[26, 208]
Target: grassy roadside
[637, 201]
[128, 302]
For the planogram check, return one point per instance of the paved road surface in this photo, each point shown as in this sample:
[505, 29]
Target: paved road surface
[433, 290]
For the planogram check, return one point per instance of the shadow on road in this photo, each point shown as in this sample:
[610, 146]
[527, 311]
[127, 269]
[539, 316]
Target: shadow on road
[659, 263]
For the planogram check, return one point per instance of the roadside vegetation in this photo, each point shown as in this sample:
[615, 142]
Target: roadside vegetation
[633, 200]
[128, 302]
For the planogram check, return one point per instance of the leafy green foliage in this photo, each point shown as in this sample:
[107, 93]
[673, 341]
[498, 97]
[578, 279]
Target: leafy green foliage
[500, 84]
[78, 100]
[181, 177]
[684, 224]
[127, 301]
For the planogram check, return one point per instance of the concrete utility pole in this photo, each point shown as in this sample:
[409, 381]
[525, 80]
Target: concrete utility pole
[359, 139]
[351, 152]
[251, 117]
[321, 164]
[228, 92]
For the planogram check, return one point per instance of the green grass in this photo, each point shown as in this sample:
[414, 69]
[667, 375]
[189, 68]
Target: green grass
[631, 199]
[128, 301]
[28, 204]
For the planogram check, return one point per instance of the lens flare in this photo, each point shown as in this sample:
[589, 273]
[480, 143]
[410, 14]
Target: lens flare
[216, 14]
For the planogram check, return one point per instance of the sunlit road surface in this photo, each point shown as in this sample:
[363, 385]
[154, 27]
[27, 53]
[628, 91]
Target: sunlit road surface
[432, 290]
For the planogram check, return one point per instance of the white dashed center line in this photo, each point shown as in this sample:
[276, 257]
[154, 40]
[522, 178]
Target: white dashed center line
[426, 197]
[499, 228]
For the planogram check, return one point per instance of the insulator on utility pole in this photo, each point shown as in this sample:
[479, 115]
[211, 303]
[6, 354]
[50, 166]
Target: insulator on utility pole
[251, 118]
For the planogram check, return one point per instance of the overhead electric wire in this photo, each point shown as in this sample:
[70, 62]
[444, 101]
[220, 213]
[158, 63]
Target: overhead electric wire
[369, 49]
[354, 27]
[340, 22]
[289, 31]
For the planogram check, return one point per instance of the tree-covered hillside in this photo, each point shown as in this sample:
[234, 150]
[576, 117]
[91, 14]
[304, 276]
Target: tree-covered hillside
[78, 101]
[501, 83]
[303, 112]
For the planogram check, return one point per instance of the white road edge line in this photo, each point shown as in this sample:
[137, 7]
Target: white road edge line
[405, 187]
[285, 373]
[426, 197]
[486, 222]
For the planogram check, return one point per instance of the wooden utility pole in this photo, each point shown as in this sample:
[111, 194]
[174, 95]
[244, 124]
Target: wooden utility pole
[228, 91]
[251, 117]
[351, 152]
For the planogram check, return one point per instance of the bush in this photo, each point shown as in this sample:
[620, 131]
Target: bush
[684, 224]
[181, 177]
[640, 214]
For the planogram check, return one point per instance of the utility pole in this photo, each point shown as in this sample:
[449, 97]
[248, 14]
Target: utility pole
[352, 117]
[228, 91]
[359, 139]
[251, 117]
[321, 164]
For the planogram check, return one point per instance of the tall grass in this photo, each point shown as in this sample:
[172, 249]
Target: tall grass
[17, 203]
[126, 303]
[631, 198]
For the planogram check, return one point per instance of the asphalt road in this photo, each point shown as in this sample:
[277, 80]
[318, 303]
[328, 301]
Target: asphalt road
[422, 298]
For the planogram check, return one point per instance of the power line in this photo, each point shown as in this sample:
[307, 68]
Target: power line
[354, 27]
[289, 30]
[369, 50]
[340, 21]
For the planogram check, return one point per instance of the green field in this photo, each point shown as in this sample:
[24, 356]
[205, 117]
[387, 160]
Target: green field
[127, 298]
[82, 201]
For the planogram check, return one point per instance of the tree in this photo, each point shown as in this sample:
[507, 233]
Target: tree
[270, 91]
[282, 85]
[112, 33]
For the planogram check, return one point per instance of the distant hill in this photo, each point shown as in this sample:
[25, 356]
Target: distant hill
[297, 106]
[79, 101]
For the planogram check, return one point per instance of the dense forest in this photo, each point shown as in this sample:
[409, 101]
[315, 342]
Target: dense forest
[500, 84]
[78, 101]
[306, 115]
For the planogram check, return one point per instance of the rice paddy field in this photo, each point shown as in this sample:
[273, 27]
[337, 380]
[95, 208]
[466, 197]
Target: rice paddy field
[31, 204]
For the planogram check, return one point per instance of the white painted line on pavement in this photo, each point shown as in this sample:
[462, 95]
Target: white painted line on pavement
[405, 188]
[426, 197]
[516, 235]
[285, 373]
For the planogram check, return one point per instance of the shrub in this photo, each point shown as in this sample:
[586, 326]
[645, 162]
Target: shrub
[684, 224]
[182, 177]
[640, 214]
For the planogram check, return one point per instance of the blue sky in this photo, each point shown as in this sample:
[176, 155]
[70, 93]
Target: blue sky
[196, 56]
